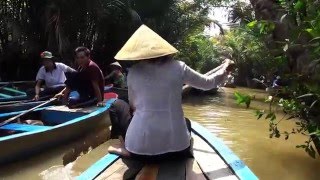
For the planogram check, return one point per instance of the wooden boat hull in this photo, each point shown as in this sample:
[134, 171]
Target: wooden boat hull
[33, 138]
[230, 86]
[10, 94]
[201, 92]
[212, 160]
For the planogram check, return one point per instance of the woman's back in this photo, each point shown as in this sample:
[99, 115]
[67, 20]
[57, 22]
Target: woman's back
[155, 88]
[158, 122]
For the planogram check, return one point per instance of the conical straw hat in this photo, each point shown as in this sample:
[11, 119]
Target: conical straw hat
[145, 44]
[116, 64]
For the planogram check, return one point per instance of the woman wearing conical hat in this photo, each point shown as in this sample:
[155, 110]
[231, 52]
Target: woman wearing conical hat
[158, 128]
[116, 76]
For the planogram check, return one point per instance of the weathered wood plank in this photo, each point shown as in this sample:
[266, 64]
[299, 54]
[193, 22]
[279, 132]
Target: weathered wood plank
[210, 162]
[148, 172]
[193, 171]
[121, 169]
[172, 170]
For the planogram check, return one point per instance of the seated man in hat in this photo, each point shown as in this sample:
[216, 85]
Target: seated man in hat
[52, 74]
[88, 81]
[117, 78]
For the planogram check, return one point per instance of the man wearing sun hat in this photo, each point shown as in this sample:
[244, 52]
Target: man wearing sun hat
[158, 129]
[52, 74]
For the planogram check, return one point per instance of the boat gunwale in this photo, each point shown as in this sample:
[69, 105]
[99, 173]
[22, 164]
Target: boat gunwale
[73, 121]
[240, 169]
[243, 172]
[20, 95]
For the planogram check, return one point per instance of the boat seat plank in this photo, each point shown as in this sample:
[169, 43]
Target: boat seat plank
[193, 171]
[148, 172]
[23, 127]
[210, 162]
[121, 169]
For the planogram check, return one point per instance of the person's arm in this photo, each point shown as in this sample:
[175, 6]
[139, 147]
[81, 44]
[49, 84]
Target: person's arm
[94, 73]
[64, 94]
[39, 79]
[200, 81]
[110, 75]
[65, 68]
[37, 89]
[97, 91]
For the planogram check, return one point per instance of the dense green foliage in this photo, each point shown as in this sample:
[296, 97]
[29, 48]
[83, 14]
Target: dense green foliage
[291, 35]
[28, 27]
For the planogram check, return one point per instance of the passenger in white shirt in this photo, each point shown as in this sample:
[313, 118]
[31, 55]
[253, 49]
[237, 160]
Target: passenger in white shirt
[158, 128]
[53, 74]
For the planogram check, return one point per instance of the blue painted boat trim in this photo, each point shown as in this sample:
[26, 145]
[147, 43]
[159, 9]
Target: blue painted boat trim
[15, 91]
[5, 96]
[98, 167]
[76, 120]
[10, 114]
[23, 127]
[240, 169]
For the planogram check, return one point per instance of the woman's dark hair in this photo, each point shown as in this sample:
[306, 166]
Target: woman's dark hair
[82, 49]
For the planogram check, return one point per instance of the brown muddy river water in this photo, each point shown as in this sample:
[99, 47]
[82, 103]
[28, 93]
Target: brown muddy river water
[236, 125]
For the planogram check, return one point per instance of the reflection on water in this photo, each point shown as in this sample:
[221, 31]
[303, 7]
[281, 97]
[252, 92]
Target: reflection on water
[237, 126]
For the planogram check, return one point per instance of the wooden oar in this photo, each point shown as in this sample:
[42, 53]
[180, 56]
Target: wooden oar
[24, 101]
[259, 81]
[26, 112]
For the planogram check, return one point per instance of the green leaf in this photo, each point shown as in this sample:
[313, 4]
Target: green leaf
[269, 115]
[301, 146]
[310, 150]
[313, 32]
[286, 137]
[252, 24]
[291, 117]
[299, 5]
[259, 113]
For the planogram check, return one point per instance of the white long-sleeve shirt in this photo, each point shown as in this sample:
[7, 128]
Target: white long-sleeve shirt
[158, 125]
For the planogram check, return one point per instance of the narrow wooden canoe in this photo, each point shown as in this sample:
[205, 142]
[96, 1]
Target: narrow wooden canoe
[61, 124]
[212, 160]
[230, 86]
[10, 94]
[11, 106]
[210, 92]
